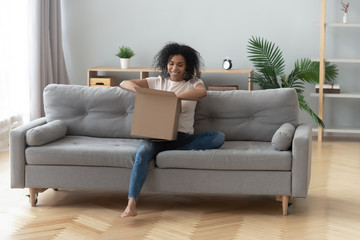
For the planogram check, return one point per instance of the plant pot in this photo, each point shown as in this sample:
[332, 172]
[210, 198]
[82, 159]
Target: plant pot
[124, 62]
[345, 18]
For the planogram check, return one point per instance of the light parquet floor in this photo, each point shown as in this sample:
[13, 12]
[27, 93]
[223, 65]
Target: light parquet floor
[331, 211]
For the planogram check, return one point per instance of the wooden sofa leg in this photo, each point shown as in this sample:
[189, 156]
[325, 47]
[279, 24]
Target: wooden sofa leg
[33, 195]
[285, 204]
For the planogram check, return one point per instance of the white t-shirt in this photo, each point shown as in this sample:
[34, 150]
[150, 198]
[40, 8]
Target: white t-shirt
[186, 119]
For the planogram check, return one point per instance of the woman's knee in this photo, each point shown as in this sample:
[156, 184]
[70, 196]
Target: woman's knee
[218, 138]
[213, 139]
[145, 152]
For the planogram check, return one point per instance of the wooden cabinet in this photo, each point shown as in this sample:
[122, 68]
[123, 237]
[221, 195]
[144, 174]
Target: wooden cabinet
[322, 96]
[144, 72]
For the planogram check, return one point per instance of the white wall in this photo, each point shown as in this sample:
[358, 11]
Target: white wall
[94, 29]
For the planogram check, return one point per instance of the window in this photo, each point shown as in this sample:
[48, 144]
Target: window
[14, 93]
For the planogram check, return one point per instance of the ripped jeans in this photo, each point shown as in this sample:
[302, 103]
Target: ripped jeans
[148, 150]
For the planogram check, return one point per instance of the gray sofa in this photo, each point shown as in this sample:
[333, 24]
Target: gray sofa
[84, 143]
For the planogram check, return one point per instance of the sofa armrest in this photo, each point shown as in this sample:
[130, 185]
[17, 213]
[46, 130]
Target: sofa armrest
[301, 165]
[17, 152]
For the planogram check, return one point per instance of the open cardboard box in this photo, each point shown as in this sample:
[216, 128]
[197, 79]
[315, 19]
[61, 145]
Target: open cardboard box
[156, 114]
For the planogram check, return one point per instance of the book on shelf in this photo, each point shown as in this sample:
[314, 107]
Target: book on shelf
[328, 88]
[222, 87]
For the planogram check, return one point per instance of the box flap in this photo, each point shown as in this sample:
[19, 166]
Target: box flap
[155, 92]
[161, 93]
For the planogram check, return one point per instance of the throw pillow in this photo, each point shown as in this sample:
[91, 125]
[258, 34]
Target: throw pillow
[46, 133]
[282, 138]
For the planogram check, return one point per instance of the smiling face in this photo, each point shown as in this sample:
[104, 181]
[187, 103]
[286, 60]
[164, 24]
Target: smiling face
[176, 68]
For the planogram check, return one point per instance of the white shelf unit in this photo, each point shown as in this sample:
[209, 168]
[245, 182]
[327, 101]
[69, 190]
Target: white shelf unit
[341, 25]
[321, 95]
[342, 130]
[339, 130]
[338, 60]
[342, 60]
[344, 25]
[337, 95]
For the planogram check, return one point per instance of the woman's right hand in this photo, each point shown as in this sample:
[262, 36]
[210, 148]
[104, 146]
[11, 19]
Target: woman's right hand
[130, 85]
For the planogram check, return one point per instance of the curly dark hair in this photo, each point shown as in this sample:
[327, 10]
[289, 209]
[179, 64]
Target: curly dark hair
[192, 58]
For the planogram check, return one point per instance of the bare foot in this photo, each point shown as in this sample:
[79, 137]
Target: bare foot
[130, 210]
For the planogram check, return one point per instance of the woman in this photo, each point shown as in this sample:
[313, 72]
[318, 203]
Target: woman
[179, 65]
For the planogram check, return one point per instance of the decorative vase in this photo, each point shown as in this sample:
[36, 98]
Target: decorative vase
[124, 62]
[345, 18]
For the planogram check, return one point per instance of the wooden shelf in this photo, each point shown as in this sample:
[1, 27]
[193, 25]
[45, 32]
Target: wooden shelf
[119, 69]
[144, 72]
[241, 70]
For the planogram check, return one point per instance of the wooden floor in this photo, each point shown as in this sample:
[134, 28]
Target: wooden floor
[331, 211]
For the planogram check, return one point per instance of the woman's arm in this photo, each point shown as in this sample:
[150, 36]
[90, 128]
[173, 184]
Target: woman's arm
[198, 92]
[130, 85]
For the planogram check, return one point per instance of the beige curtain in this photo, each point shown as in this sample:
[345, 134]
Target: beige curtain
[47, 64]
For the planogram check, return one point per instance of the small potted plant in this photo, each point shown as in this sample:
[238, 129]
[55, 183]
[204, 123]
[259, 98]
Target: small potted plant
[125, 53]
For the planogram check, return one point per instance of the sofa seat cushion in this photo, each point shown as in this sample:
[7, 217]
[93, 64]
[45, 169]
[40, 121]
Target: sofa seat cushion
[85, 151]
[233, 155]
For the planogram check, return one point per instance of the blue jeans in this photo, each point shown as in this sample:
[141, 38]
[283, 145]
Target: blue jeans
[148, 150]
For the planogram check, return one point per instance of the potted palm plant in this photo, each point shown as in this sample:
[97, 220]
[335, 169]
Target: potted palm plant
[125, 53]
[269, 73]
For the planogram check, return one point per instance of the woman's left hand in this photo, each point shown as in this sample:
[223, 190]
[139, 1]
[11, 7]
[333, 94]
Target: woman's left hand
[198, 92]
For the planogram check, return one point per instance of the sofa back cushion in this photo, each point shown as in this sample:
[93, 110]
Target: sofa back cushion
[90, 111]
[247, 115]
[107, 111]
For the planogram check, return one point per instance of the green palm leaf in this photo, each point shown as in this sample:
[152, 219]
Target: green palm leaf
[331, 71]
[265, 56]
[265, 81]
[269, 65]
[304, 106]
[307, 70]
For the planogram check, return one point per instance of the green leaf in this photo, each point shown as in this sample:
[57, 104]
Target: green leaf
[125, 52]
[304, 106]
[264, 54]
[308, 71]
[269, 70]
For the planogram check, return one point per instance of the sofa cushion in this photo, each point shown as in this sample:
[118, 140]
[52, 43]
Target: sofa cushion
[247, 115]
[90, 111]
[283, 137]
[46, 133]
[85, 151]
[233, 155]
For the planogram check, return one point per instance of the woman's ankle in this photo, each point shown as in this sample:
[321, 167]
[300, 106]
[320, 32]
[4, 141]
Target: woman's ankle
[132, 202]
[130, 210]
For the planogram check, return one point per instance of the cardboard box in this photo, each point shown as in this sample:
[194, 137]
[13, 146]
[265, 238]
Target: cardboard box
[156, 114]
[222, 87]
[102, 81]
